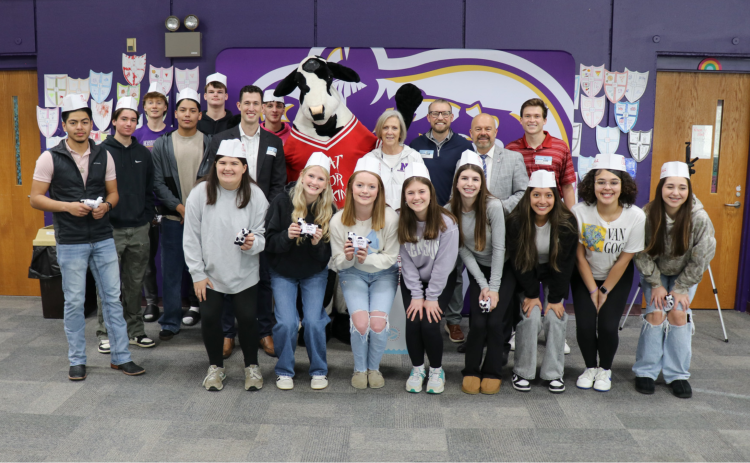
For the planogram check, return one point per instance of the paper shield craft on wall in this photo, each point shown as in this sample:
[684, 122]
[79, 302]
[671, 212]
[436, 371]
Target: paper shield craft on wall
[99, 137]
[101, 113]
[615, 84]
[607, 139]
[55, 89]
[626, 114]
[584, 166]
[129, 90]
[576, 92]
[639, 143]
[187, 78]
[592, 110]
[133, 68]
[575, 149]
[80, 86]
[100, 85]
[592, 79]
[47, 119]
[51, 142]
[637, 82]
[163, 76]
[631, 166]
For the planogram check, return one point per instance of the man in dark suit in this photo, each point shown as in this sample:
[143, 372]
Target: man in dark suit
[267, 166]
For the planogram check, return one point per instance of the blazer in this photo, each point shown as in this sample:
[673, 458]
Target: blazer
[509, 178]
[270, 169]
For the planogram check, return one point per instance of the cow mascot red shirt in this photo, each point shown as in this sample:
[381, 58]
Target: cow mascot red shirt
[324, 123]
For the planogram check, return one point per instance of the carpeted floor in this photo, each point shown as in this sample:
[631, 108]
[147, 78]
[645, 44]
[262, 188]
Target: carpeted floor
[166, 415]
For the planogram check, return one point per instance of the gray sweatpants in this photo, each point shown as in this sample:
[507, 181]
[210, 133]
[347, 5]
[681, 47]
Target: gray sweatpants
[456, 305]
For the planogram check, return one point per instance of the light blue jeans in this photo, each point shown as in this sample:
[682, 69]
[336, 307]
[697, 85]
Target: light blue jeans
[370, 292]
[315, 319]
[665, 347]
[101, 257]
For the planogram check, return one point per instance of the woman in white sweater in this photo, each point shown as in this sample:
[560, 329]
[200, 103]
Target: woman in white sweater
[224, 203]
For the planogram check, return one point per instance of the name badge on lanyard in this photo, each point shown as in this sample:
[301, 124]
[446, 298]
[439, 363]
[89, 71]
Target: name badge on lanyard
[543, 160]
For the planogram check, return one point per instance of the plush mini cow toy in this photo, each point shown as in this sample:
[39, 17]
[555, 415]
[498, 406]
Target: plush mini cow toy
[324, 123]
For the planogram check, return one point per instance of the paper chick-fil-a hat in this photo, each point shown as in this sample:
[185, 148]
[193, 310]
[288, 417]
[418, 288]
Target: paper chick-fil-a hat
[542, 179]
[74, 101]
[156, 87]
[268, 96]
[416, 169]
[368, 164]
[217, 77]
[470, 157]
[674, 169]
[127, 102]
[188, 94]
[319, 159]
[610, 162]
[232, 148]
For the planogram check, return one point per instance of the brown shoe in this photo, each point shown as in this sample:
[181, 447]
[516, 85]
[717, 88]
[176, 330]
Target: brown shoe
[470, 385]
[490, 386]
[267, 345]
[454, 333]
[228, 347]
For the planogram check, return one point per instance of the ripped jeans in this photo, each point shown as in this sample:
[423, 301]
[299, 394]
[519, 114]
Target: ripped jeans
[369, 292]
[664, 347]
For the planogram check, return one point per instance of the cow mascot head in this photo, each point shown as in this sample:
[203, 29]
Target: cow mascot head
[324, 123]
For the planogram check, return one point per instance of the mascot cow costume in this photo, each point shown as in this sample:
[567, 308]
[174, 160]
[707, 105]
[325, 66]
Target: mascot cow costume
[324, 123]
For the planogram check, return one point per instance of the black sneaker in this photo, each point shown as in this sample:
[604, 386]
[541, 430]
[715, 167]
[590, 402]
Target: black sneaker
[644, 385]
[77, 373]
[681, 388]
[130, 368]
[166, 335]
[151, 313]
[142, 341]
[557, 386]
[104, 346]
[521, 384]
[192, 317]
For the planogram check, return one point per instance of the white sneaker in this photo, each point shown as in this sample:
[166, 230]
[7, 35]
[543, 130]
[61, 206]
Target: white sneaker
[318, 382]
[603, 382]
[567, 348]
[416, 379]
[586, 380]
[214, 380]
[436, 382]
[285, 383]
[513, 342]
[253, 378]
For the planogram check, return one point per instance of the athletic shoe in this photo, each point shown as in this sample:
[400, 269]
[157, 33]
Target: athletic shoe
[285, 383]
[436, 382]
[214, 380]
[375, 379]
[104, 347]
[253, 378]
[513, 342]
[192, 317]
[142, 341]
[586, 380]
[129, 368]
[603, 381]
[319, 382]
[416, 379]
[166, 335]
[566, 349]
[151, 313]
[521, 384]
[556, 386]
[645, 385]
[681, 388]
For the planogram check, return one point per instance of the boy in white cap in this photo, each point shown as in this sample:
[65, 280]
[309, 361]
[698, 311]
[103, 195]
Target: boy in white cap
[155, 106]
[74, 170]
[216, 118]
[131, 220]
[273, 110]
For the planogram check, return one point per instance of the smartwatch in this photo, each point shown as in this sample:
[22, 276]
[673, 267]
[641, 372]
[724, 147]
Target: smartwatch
[603, 290]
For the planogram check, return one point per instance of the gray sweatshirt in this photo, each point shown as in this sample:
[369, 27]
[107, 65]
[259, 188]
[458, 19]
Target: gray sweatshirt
[493, 254]
[429, 260]
[208, 239]
[383, 251]
[690, 266]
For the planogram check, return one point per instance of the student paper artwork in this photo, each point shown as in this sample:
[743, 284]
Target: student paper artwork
[99, 137]
[51, 142]
[607, 139]
[47, 119]
[576, 92]
[133, 68]
[575, 149]
[129, 90]
[636, 85]
[615, 84]
[639, 143]
[584, 166]
[187, 78]
[162, 76]
[626, 114]
[80, 86]
[100, 84]
[700, 144]
[631, 166]
[592, 110]
[55, 89]
[101, 113]
[592, 79]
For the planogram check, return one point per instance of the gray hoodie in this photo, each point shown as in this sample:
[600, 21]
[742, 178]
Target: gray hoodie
[690, 266]
[429, 260]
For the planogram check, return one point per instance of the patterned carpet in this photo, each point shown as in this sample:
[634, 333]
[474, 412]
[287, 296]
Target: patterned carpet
[166, 415]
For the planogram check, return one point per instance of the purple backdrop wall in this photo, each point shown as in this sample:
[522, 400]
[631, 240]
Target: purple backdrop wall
[617, 34]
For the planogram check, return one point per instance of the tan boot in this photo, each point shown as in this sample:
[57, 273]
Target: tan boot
[375, 379]
[228, 347]
[490, 386]
[359, 380]
[470, 385]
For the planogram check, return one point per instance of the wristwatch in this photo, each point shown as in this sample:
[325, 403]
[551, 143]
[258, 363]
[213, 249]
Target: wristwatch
[603, 290]
[110, 206]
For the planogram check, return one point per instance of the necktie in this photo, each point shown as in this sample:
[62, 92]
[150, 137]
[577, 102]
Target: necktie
[484, 165]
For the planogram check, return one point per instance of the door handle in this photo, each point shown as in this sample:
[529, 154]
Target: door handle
[736, 204]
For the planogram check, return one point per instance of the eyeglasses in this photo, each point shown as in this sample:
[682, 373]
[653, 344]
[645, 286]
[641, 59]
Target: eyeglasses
[437, 114]
[604, 183]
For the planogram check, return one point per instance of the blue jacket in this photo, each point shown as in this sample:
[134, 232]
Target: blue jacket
[441, 160]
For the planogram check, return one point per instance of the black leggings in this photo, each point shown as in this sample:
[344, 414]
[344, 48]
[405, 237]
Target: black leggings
[421, 335]
[244, 304]
[588, 322]
[487, 328]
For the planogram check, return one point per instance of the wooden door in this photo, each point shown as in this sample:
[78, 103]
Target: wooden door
[19, 150]
[684, 99]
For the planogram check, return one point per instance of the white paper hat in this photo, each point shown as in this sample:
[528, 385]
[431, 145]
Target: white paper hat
[319, 159]
[268, 96]
[127, 102]
[232, 148]
[368, 164]
[156, 87]
[609, 161]
[190, 94]
[416, 169]
[674, 169]
[74, 101]
[217, 77]
[470, 157]
[542, 179]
